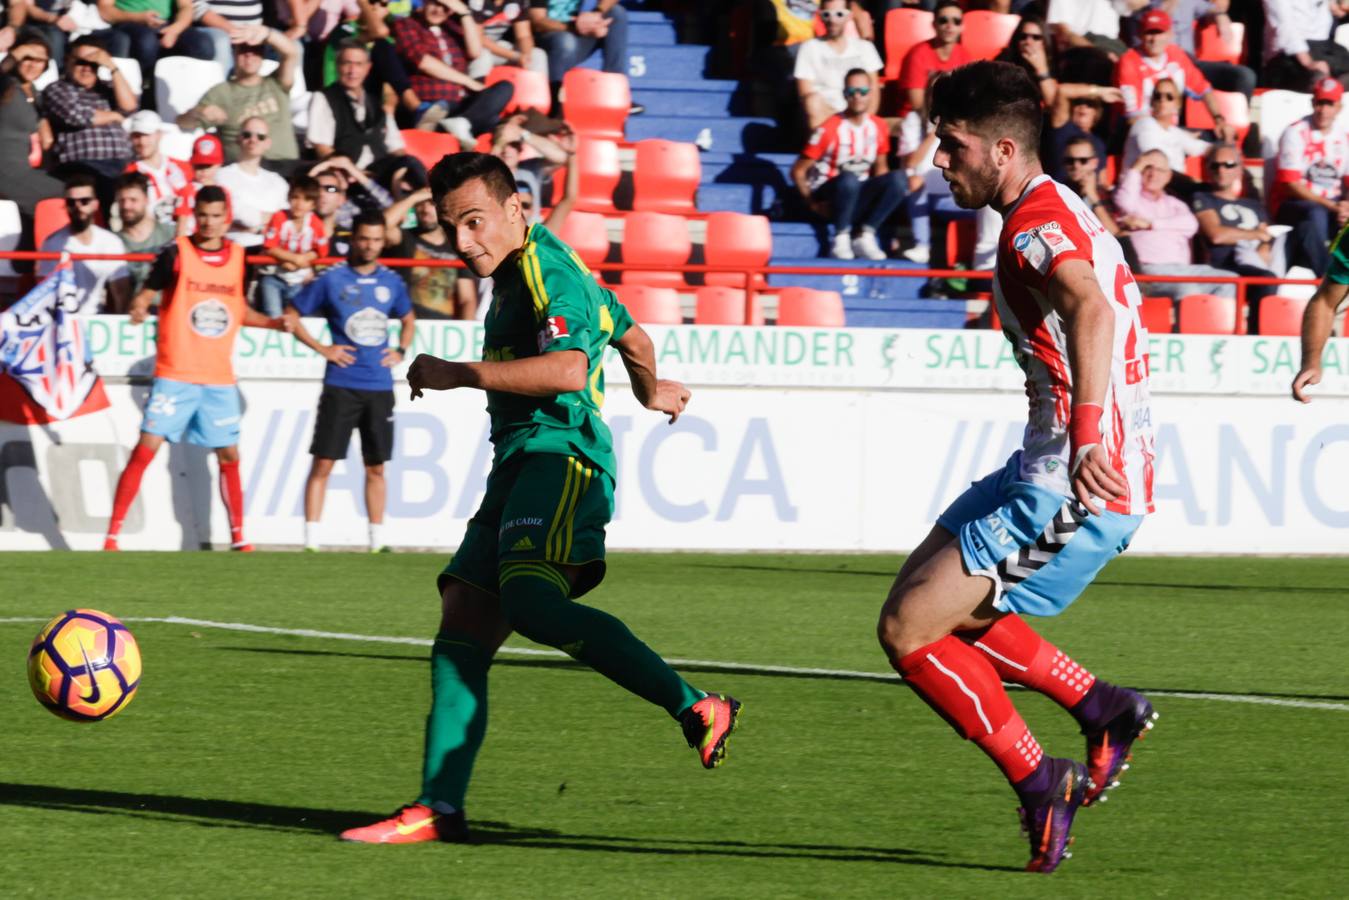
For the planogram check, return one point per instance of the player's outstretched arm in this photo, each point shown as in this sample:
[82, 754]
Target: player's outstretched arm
[546, 375]
[255, 319]
[1089, 323]
[139, 309]
[639, 358]
[1317, 321]
[340, 355]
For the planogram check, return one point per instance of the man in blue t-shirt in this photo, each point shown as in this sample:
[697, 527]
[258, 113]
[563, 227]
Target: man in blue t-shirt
[358, 299]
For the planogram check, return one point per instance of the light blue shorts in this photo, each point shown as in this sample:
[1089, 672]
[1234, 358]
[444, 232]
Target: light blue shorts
[203, 414]
[1040, 548]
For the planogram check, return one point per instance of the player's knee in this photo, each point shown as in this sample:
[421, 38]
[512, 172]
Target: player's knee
[228, 454]
[375, 472]
[897, 633]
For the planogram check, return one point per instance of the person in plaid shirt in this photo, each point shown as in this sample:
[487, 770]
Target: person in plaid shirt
[435, 44]
[86, 116]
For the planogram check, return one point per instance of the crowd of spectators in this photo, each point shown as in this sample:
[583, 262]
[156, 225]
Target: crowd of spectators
[372, 68]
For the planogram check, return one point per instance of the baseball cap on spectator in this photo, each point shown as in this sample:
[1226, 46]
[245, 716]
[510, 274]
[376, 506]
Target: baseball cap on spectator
[147, 121]
[1328, 89]
[1154, 20]
[207, 151]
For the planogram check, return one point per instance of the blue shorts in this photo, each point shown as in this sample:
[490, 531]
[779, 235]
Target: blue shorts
[203, 414]
[1040, 548]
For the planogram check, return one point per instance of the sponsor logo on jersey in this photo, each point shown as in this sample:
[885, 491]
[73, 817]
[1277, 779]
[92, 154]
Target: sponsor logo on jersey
[522, 522]
[555, 327]
[210, 318]
[383, 294]
[368, 327]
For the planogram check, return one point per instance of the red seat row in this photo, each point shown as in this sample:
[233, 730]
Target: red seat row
[713, 305]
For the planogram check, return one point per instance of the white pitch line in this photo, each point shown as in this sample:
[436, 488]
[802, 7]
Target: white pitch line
[749, 668]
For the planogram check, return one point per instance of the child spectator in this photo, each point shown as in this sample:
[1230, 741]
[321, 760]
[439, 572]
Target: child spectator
[294, 238]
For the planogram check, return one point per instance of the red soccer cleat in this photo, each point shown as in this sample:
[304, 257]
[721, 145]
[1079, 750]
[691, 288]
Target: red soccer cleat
[110, 544]
[413, 824]
[708, 725]
[242, 547]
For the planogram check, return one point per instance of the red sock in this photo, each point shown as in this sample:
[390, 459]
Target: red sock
[128, 485]
[232, 493]
[1021, 656]
[965, 690]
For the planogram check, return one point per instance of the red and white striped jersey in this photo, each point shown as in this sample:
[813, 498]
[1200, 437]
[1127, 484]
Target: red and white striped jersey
[1136, 75]
[1319, 159]
[839, 145]
[170, 187]
[1046, 226]
[308, 236]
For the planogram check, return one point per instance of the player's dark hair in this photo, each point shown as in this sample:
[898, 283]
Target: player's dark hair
[992, 99]
[80, 179]
[368, 217]
[306, 186]
[211, 193]
[458, 169]
[132, 180]
[1078, 141]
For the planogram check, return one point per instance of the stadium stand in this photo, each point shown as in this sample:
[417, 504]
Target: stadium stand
[1281, 315]
[588, 235]
[726, 306]
[657, 240]
[1158, 315]
[651, 305]
[736, 239]
[1207, 314]
[667, 177]
[807, 307]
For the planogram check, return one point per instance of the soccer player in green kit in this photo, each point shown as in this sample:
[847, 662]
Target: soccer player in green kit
[537, 541]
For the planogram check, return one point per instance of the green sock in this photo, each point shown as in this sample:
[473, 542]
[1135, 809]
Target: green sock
[458, 718]
[535, 598]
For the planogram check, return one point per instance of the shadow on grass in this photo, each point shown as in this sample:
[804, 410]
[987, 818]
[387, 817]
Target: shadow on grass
[549, 663]
[235, 814]
[795, 570]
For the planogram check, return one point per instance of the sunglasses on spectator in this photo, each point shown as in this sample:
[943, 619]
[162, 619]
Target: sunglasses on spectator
[84, 64]
[833, 14]
[1078, 160]
[949, 20]
[1030, 36]
[27, 59]
[1223, 164]
[252, 135]
[249, 48]
[80, 201]
[1158, 95]
[856, 92]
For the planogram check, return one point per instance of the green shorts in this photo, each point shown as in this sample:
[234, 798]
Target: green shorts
[538, 507]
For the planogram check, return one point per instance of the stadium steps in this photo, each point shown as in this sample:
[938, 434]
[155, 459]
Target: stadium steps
[711, 132]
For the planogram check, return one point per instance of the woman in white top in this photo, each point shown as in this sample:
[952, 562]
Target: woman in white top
[1161, 131]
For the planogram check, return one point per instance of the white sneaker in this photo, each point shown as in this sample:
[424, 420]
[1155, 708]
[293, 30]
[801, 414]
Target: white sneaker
[843, 245]
[461, 129]
[865, 246]
[920, 254]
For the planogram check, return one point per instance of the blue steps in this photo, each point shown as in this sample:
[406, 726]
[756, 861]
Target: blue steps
[679, 98]
[726, 134]
[654, 33]
[906, 314]
[683, 62]
[741, 198]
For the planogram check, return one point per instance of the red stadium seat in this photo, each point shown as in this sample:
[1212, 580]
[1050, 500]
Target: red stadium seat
[1231, 104]
[599, 175]
[587, 234]
[725, 306]
[1158, 314]
[1208, 314]
[799, 306]
[1212, 48]
[596, 103]
[736, 239]
[666, 177]
[651, 305]
[428, 146]
[903, 29]
[657, 240]
[1194, 167]
[48, 216]
[986, 33]
[1281, 315]
[960, 238]
[531, 89]
[1111, 170]
[484, 143]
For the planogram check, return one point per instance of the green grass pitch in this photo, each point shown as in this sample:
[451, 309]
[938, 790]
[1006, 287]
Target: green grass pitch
[244, 753]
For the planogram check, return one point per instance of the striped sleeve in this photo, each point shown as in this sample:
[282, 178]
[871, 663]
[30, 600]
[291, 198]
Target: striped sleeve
[562, 305]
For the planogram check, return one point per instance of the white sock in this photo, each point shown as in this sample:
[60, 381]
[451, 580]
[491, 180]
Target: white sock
[311, 535]
[376, 535]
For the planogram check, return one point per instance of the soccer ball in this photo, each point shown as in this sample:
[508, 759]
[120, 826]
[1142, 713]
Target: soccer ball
[84, 665]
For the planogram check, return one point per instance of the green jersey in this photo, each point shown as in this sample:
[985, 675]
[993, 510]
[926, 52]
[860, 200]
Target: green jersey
[546, 301]
[1338, 270]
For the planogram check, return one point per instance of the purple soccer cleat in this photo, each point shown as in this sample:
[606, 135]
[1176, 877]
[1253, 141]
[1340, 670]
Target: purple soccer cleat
[1048, 821]
[1108, 748]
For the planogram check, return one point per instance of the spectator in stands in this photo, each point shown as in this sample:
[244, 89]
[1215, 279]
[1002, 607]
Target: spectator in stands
[1081, 164]
[1184, 16]
[1235, 228]
[438, 292]
[1161, 131]
[145, 30]
[822, 64]
[1298, 49]
[437, 50]
[1309, 180]
[348, 119]
[507, 38]
[1090, 24]
[50, 20]
[225, 23]
[1161, 229]
[344, 193]
[568, 30]
[844, 174]
[170, 180]
[332, 198]
[225, 107]
[553, 141]
[940, 54]
[86, 116]
[1158, 59]
[294, 238]
[1075, 119]
[141, 232]
[508, 144]
[101, 285]
[254, 192]
[19, 121]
